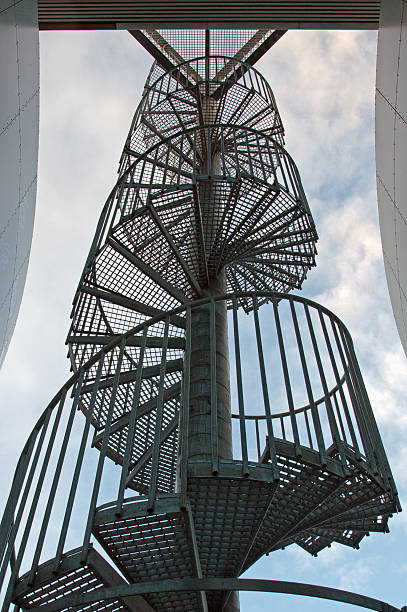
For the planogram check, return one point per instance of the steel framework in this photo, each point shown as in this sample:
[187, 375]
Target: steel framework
[167, 464]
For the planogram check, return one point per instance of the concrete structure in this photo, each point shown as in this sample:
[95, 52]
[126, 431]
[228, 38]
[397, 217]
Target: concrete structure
[166, 449]
[391, 153]
[19, 117]
[19, 108]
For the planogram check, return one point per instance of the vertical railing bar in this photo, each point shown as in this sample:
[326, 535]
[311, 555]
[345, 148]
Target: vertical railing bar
[339, 384]
[256, 422]
[214, 405]
[78, 309]
[9, 527]
[35, 499]
[308, 386]
[164, 179]
[194, 167]
[184, 421]
[222, 149]
[278, 155]
[181, 146]
[266, 398]
[287, 163]
[237, 156]
[308, 429]
[158, 422]
[131, 425]
[338, 412]
[114, 211]
[257, 85]
[368, 440]
[369, 412]
[261, 158]
[287, 382]
[331, 417]
[351, 390]
[378, 451]
[242, 422]
[249, 154]
[7, 521]
[79, 460]
[121, 203]
[104, 391]
[209, 148]
[282, 428]
[102, 455]
[54, 485]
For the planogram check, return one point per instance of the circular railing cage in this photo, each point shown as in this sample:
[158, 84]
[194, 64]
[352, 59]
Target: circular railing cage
[162, 450]
[303, 436]
[215, 90]
[152, 251]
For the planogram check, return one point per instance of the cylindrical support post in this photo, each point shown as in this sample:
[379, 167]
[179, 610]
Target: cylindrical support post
[204, 426]
[210, 422]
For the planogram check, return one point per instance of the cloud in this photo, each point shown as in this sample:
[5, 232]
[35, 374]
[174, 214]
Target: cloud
[323, 81]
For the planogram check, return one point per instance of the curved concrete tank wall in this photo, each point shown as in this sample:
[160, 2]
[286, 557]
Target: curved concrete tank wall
[19, 122]
[391, 153]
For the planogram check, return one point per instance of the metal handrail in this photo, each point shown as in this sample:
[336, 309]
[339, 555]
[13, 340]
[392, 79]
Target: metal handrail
[225, 584]
[104, 371]
[296, 410]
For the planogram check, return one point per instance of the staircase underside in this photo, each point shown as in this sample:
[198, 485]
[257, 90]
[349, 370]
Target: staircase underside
[224, 525]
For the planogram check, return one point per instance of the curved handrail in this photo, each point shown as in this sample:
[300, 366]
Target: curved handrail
[211, 57]
[278, 415]
[115, 342]
[245, 68]
[222, 584]
[90, 381]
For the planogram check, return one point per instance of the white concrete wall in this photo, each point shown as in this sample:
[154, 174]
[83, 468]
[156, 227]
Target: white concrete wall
[391, 153]
[19, 122]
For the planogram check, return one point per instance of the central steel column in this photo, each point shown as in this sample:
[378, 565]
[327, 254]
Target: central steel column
[201, 446]
[209, 438]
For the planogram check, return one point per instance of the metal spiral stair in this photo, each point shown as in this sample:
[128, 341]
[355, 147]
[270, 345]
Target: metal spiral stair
[294, 490]
[167, 456]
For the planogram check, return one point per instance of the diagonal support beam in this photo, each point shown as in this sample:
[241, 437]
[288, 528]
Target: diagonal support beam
[191, 278]
[243, 53]
[249, 61]
[170, 393]
[161, 58]
[175, 365]
[191, 537]
[145, 458]
[148, 271]
[140, 307]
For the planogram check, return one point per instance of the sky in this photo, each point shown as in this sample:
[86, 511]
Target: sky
[91, 83]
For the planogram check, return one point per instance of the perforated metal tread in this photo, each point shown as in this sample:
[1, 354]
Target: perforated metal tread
[150, 545]
[227, 514]
[74, 577]
[314, 507]
[302, 488]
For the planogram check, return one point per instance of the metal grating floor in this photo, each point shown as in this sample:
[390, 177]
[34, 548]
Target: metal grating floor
[151, 547]
[71, 578]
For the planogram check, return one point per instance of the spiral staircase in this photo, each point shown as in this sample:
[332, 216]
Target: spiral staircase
[182, 448]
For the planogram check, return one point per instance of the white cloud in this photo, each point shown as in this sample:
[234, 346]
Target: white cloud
[91, 84]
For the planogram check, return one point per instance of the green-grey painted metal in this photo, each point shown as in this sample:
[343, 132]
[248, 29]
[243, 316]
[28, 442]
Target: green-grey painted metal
[242, 584]
[208, 216]
[118, 348]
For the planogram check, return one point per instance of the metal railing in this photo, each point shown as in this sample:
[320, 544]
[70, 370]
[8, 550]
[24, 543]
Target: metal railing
[178, 100]
[130, 401]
